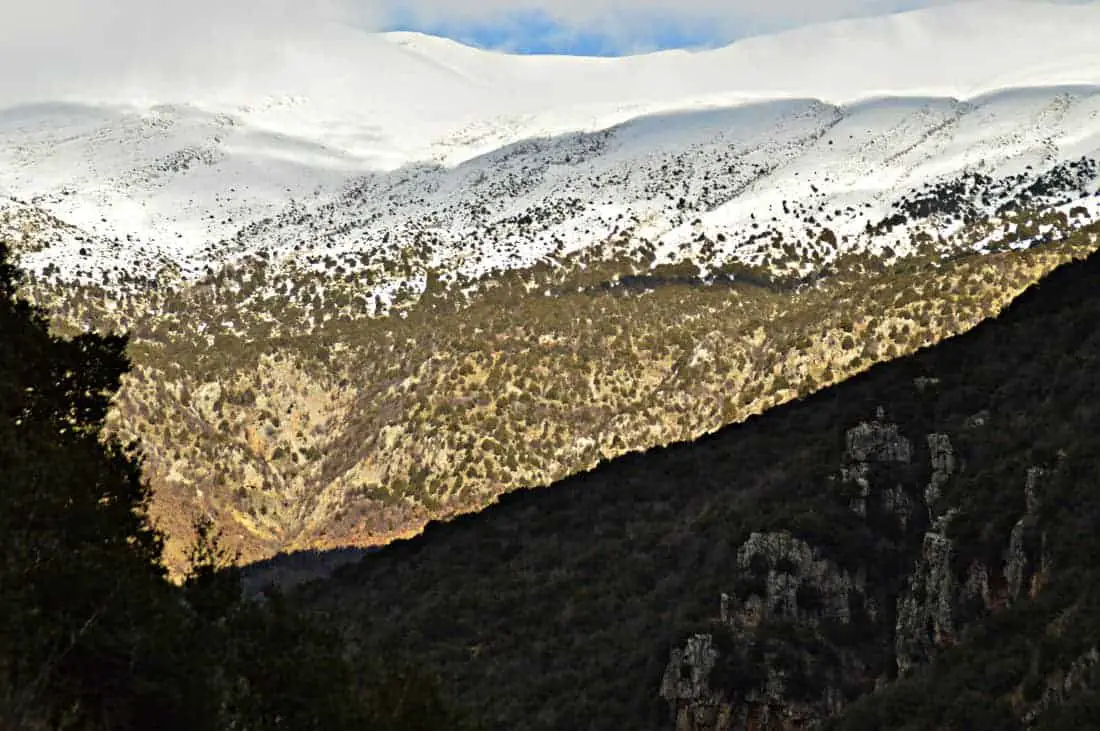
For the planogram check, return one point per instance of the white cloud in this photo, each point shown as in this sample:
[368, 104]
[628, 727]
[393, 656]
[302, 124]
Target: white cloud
[53, 47]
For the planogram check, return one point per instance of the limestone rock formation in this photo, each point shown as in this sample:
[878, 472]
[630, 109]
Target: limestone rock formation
[686, 684]
[943, 467]
[924, 613]
[871, 444]
[787, 587]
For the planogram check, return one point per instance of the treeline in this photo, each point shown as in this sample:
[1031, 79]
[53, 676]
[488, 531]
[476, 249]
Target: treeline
[93, 636]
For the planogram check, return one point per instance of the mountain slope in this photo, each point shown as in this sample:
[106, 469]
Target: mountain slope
[731, 183]
[386, 278]
[770, 574]
[415, 92]
[355, 431]
[897, 100]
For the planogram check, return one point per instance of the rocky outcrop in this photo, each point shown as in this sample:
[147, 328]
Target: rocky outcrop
[686, 684]
[797, 585]
[878, 441]
[871, 445]
[786, 588]
[924, 612]
[1020, 563]
[942, 455]
[789, 585]
[784, 581]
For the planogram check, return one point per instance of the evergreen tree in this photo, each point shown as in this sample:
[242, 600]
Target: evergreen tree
[93, 637]
[81, 583]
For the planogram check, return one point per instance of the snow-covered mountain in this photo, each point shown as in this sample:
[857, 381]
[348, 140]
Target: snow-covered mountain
[249, 220]
[349, 143]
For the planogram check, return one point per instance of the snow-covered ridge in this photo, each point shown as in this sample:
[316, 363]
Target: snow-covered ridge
[395, 98]
[718, 185]
[353, 144]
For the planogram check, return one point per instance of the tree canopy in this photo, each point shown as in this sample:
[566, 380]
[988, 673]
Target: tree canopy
[92, 633]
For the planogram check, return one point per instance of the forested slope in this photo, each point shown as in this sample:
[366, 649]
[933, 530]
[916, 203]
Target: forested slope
[914, 547]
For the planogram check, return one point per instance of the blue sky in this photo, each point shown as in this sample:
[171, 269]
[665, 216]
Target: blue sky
[616, 27]
[535, 32]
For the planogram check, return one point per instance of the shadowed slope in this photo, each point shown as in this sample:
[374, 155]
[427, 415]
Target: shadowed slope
[558, 608]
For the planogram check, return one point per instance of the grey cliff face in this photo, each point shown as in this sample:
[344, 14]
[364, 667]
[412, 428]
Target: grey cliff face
[924, 612]
[878, 441]
[942, 454]
[792, 565]
[797, 588]
[1017, 557]
[686, 684]
[874, 444]
[788, 582]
